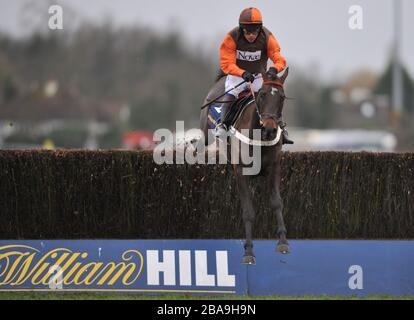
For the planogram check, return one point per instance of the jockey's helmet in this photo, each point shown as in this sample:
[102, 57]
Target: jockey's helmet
[250, 19]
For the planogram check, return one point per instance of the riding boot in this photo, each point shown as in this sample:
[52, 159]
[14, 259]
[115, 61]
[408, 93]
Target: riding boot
[285, 134]
[221, 129]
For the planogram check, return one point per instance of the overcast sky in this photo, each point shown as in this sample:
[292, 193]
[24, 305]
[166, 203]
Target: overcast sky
[309, 32]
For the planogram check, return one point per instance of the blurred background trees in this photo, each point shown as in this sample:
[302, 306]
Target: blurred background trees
[93, 73]
[90, 84]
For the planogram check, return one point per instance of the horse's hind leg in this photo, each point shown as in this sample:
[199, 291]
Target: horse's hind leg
[248, 216]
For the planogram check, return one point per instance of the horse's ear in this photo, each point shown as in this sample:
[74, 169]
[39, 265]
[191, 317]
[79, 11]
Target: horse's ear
[264, 73]
[284, 75]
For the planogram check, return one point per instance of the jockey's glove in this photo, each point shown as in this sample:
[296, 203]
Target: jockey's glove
[247, 76]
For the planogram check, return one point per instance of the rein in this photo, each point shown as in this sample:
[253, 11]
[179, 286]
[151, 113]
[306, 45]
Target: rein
[233, 131]
[236, 133]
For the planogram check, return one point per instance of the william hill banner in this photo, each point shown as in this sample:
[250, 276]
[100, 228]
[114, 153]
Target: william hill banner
[209, 267]
[135, 266]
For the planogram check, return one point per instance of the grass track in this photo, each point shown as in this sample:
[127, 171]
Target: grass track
[105, 296]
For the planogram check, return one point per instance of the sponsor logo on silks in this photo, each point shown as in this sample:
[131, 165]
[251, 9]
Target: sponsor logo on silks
[26, 267]
[248, 55]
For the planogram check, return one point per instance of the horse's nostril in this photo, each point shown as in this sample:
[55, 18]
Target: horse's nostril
[274, 130]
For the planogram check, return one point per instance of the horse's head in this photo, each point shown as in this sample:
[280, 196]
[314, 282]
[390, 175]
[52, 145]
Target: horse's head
[270, 101]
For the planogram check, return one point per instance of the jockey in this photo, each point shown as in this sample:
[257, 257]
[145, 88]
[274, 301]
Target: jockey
[243, 55]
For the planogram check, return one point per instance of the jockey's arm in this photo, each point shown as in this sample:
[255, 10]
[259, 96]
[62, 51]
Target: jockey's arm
[273, 52]
[228, 57]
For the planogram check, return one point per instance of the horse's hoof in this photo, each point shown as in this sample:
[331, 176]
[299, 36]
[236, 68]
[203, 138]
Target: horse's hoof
[249, 260]
[283, 248]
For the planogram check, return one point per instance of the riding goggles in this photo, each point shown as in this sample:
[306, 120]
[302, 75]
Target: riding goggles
[254, 31]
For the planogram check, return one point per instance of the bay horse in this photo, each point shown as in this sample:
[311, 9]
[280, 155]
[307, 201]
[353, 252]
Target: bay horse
[263, 113]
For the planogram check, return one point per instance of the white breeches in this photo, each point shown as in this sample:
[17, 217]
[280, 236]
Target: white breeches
[232, 81]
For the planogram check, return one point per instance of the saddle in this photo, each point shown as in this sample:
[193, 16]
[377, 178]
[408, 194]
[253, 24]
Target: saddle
[236, 109]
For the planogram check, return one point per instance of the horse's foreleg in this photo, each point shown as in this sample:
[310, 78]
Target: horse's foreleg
[248, 216]
[277, 205]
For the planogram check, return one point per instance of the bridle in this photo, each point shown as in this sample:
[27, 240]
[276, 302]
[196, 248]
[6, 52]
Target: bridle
[262, 116]
[273, 116]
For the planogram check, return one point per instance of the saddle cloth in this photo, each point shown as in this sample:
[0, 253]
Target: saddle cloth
[236, 109]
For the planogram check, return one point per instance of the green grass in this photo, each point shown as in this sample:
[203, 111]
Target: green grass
[105, 296]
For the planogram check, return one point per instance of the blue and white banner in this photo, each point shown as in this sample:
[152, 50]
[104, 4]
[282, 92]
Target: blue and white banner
[129, 266]
[208, 267]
